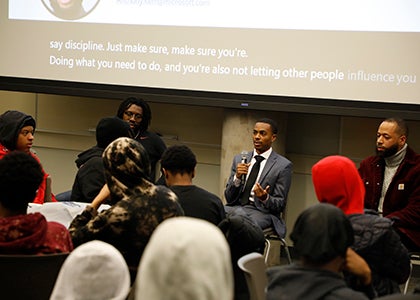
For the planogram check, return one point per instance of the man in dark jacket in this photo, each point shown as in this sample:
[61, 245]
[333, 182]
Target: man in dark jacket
[321, 236]
[90, 177]
[392, 181]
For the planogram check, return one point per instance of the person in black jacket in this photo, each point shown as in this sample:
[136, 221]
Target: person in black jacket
[337, 181]
[90, 177]
[322, 236]
[138, 114]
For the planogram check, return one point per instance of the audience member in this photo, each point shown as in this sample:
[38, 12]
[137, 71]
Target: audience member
[138, 205]
[137, 113]
[392, 181]
[22, 233]
[17, 131]
[90, 177]
[244, 237]
[93, 271]
[186, 258]
[322, 236]
[178, 165]
[266, 200]
[337, 181]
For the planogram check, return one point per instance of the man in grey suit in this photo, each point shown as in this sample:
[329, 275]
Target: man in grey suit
[260, 180]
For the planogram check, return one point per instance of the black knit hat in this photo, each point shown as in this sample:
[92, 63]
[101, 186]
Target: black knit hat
[321, 233]
[109, 129]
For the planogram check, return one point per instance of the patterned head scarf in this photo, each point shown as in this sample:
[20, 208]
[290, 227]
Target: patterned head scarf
[321, 233]
[127, 168]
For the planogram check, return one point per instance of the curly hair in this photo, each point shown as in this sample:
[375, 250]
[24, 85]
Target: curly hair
[20, 177]
[178, 159]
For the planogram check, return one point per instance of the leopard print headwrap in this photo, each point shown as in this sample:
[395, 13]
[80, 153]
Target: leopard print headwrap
[127, 167]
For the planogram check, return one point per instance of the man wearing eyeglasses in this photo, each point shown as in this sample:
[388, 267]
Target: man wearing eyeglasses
[137, 113]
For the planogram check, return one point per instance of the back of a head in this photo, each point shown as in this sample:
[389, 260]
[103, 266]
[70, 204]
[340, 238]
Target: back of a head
[321, 233]
[126, 164]
[20, 177]
[337, 181]
[109, 129]
[178, 159]
[243, 235]
[11, 122]
[94, 270]
[186, 258]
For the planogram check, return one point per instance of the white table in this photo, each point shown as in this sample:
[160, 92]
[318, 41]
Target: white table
[61, 212]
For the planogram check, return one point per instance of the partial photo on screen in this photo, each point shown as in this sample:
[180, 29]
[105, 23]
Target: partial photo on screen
[70, 9]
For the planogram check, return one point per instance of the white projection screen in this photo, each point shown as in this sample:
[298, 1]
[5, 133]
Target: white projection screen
[271, 54]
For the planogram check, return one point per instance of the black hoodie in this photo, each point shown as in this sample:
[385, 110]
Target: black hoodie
[11, 122]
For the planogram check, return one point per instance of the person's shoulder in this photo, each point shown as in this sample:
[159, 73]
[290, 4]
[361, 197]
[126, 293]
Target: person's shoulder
[346, 293]
[151, 135]
[56, 226]
[165, 192]
[280, 158]
[413, 156]
[209, 195]
[370, 159]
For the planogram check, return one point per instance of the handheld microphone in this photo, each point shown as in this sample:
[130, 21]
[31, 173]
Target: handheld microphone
[243, 161]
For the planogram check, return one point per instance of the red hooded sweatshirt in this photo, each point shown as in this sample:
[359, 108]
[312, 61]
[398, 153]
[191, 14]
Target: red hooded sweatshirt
[337, 181]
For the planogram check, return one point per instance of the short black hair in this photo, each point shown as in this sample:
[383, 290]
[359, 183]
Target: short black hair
[147, 113]
[20, 177]
[178, 159]
[401, 124]
[271, 122]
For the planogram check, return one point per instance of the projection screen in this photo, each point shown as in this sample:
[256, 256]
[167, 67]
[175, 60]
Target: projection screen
[355, 53]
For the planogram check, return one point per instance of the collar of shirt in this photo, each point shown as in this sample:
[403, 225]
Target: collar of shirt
[266, 154]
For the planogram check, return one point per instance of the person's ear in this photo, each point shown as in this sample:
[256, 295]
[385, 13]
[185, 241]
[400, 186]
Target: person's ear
[403, 139]
[193, 173]
[165, 173]
[273, 138]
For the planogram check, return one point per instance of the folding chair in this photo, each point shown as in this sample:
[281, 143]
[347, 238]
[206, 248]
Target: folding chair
[254, 268]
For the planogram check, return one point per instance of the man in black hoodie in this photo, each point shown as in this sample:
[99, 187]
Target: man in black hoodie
[90, 177]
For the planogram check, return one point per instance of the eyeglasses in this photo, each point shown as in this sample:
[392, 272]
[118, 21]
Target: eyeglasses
[130, 114]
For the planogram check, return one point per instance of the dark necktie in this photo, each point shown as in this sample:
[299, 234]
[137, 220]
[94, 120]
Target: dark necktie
[251, 179]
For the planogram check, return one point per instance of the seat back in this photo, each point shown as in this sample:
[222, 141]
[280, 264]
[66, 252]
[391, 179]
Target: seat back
[47, 195]
[254, 268]
[29, 276]
[414, 262]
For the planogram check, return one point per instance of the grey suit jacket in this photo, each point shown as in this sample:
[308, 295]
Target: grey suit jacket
[277, 173]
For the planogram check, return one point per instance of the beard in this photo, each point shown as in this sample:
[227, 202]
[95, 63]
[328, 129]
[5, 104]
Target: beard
[387, 152]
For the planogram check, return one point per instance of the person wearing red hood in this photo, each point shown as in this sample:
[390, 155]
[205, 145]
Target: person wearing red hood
[20, 232]
[17, 133]
[336, 181]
